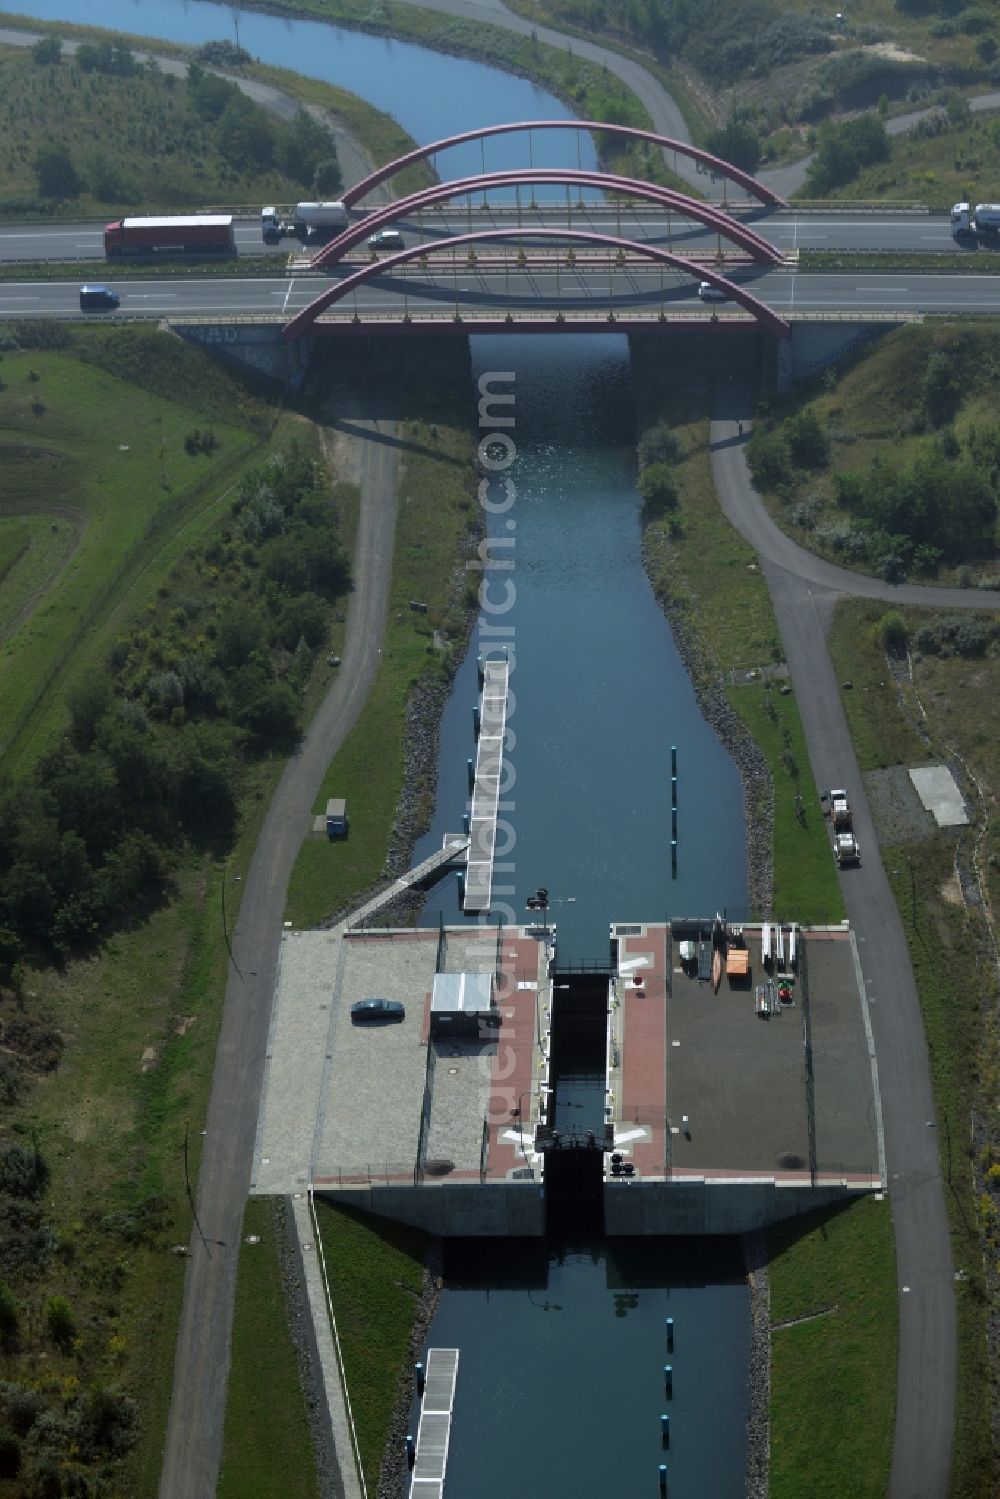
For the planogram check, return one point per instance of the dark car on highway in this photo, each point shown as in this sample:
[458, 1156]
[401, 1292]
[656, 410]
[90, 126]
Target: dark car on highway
[366, 1010]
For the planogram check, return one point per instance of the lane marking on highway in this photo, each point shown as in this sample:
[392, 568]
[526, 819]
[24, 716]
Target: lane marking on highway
[288, 293]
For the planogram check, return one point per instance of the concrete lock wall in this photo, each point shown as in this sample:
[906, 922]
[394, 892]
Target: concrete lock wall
[452, 1209]
[699, 1207]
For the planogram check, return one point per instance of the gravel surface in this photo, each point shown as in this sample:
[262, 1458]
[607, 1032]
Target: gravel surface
[758, 1422]
[304, 1341]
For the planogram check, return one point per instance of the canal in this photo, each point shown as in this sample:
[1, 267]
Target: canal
[561, 1382]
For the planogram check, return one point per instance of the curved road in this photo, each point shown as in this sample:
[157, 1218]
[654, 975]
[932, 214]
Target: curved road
[804, 590]
[197, 1411]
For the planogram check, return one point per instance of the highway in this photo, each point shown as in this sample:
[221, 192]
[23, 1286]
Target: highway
[826, 229]
[578, 287]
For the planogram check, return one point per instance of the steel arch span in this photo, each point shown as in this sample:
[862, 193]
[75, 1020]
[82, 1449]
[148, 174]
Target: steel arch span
[713, 163]
[765, 316]
[713, 218]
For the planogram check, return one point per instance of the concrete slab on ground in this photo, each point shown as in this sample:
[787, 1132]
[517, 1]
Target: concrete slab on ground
[938, 790]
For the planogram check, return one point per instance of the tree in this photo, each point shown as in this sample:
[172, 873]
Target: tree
[89, 701]
[658, 487]
[57, 176]
[328, 178]
[303, 144]
[736, 142]
[48, 49]
[245, 135]
[807, 442]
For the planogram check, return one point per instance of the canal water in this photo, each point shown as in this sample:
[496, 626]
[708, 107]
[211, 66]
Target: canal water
[600, 694]
[561, 1372]
[561, 1382]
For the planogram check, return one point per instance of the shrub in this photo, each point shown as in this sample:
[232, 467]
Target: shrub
[48, 49]
[658, 445]
[658, 488]
[893, 632]
[60, 1321]
[23, 1171]
[8, 1320]
[807, 442]
[10, 1455]
[971, 638]
[768, 456]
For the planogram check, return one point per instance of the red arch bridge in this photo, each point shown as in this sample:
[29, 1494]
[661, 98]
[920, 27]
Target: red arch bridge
[712, 164]
[308, 320]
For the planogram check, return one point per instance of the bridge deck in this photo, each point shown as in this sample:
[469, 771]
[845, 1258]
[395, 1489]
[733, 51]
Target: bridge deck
[451, 852]
[434, 1431]
[486, 789]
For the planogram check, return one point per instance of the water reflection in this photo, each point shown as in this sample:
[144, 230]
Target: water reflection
[561, 1383]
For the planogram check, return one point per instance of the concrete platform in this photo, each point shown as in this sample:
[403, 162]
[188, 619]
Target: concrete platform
[785, 1101]
[353, 1107]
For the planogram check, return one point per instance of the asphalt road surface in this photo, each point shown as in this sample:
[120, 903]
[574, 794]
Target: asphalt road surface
[804, 590]
[580, 287]
[829, 229]
[197, 1412]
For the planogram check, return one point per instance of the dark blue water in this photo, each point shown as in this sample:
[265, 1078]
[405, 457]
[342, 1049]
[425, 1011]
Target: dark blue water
[560, 1379]
[599, 691]
[430, 94]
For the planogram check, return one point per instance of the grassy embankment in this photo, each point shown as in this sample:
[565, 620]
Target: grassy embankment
[267, 1452]
[949, 949]
[435, 515]
[833, 1373]
[709, 574]
[79, 431]
[919, 391]
[376, 1273]
[174, 158]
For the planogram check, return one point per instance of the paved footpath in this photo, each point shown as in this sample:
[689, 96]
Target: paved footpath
[804, 590]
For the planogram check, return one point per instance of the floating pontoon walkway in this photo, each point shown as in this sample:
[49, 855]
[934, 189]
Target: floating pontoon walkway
[452, 851]
[434, 1431]
[486, 788]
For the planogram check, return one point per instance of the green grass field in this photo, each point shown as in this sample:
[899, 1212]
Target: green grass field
[833, 1374]
[268, 1451]
[805, 877]
[82, 440]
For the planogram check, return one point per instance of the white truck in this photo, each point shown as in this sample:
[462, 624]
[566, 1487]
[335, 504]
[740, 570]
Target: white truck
[979, 222]
[846, 848]
[840, 811]
[307, 220]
